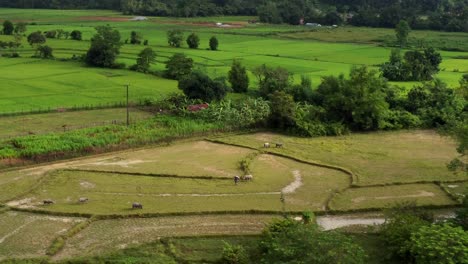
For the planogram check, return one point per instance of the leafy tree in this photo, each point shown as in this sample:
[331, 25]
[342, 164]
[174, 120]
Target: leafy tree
[435, 103]
[178, 66]
[402, 31]
[302, 92]
[45, 52]
[175, 37]
[144, 60]
[105, 46]
[214, 43]
[395, 69]
[400, 223]
[193, 41]
[238, 77]
[333, 18]
[8, 27]
[135, 38]
[198, 85]
[288, 241]
[51, 34]
[358, 102]
[282, 110]
[234, 254]
[439, 244]
[36, 38]
[20, 28]
[76, 35]
[272, 79]
[269, 13]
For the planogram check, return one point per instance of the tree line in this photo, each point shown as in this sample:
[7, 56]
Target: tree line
[448, 15]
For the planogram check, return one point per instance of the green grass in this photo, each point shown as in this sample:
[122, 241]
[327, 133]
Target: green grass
[16, 183]
[43, 84]
[27, 236]
[13, 126]
[388, 196]
[111, 235]
[375, 158]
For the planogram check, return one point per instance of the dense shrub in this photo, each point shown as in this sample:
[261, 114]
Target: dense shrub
[178, 66]
[76, 35]
[193, 41]
[198, 85]
[234, 254]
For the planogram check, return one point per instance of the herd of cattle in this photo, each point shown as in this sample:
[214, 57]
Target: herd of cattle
[136, 205]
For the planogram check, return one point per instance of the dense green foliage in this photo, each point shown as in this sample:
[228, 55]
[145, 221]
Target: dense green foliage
[178, 66]
[45, 52]
[234, 254]
[289, 241]
[198, 85]
[8, 27]
[416, 65]
[193, 41]
[238, 77]
[214, 43]
[271, 80]
[105, 46]
[439, 244]
[145, 58]
[76, 35]
[36, 38]
[402, 31]
[174, 38]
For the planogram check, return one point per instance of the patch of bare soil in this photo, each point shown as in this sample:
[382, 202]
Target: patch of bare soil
[121, 163]
[87, 185]
[203, 24]
[296, 184]
[334, 222]
[23, 203]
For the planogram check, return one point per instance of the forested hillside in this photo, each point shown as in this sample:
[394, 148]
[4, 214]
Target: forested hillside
[449, 15]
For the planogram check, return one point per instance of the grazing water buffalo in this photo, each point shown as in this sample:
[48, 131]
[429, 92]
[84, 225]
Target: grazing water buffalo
[48, 201]
[83, 200]
[266, 145]
[279, 145]
[248, 177]
[137, 206]
[236, 179]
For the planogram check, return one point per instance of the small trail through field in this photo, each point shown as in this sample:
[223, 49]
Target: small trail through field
[296, 184]
[2, 239]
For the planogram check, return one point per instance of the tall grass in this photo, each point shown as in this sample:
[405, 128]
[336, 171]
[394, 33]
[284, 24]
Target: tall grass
[51, 146]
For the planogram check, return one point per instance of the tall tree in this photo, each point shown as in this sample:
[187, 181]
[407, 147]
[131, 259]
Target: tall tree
[214, 43]
[174, 38]
[105, 46]
[193, 41]
[238, 77]
[145, 58]
[199, 86]
[178, 66]
[402, 31]
[8, 27]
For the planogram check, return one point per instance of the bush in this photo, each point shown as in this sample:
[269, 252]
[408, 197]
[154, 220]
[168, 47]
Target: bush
[439, 244]
[178, 66]
[193, 41]
[197, 85]
[51, 34]
[238, 77]
[234, 254]
[174, 38]
[76, 35]
[214, 43]
[45, 52]
[8, 27]
[289, 241]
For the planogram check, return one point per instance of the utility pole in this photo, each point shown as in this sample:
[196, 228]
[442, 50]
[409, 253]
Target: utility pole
[128, 117]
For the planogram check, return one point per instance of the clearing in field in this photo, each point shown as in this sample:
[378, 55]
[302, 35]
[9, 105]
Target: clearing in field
[26, 235]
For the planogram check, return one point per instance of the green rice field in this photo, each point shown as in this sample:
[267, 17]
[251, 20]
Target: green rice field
[42, 84]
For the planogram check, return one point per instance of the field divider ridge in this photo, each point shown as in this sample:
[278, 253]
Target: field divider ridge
[150, 174]
[353, 177]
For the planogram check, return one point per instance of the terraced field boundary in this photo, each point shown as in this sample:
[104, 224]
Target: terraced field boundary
[353, 179]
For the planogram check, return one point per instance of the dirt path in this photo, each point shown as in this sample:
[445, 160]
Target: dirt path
[2, 239]
[296, 184]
